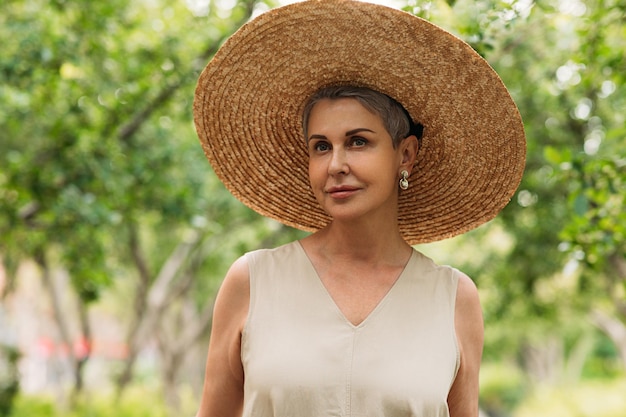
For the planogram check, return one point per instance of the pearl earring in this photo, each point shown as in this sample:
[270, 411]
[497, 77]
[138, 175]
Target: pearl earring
[404, 182]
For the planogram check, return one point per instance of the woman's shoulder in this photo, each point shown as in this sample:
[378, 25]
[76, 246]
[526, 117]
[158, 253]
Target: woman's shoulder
[286, 247]
[469, 319]
[236, 283]
[467, 296]
[430, 268]
[461, 284]
[285, 251]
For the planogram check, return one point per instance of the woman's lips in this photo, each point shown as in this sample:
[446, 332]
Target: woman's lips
[341, 192]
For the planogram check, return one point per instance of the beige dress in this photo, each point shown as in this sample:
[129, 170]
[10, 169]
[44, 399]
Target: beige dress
[303, 358]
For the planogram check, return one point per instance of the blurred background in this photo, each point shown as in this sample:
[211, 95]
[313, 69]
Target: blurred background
[115, 233]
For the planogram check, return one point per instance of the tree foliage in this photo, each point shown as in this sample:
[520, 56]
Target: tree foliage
[101, 173]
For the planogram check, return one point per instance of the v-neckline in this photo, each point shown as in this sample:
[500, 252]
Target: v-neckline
[332, 301]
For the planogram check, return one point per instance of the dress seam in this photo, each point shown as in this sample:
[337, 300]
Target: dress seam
[349, 374]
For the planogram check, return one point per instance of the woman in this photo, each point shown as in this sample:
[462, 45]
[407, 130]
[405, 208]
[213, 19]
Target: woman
[351, 320]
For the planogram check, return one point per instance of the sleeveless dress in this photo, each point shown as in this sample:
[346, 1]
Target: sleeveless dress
[303, 358]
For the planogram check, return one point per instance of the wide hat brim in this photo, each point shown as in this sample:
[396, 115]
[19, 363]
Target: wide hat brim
[250, 97]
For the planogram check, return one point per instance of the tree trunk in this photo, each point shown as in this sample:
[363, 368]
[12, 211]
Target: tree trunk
[613, 323]
[170, 365]
[614, 329]
[153, 296]
[76, 363]
[186, 328]
[139, 307]
[82, 350]
[544, 363]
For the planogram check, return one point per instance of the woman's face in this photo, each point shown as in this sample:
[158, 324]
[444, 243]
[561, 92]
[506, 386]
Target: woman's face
[353, 166]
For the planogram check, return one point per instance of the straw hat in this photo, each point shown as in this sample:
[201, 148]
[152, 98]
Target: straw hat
[249, 101]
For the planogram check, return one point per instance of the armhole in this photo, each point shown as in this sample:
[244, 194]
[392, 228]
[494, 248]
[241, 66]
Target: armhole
[454, 281]
[251, 261]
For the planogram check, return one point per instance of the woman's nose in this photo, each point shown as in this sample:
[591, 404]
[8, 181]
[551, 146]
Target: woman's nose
[338, 162]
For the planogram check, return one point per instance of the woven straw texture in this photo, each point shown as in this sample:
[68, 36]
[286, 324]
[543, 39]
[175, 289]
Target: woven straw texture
[249, 101]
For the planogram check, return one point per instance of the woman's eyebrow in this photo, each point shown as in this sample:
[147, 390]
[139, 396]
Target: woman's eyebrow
[360, 129]
[316, 137]
[348, 133]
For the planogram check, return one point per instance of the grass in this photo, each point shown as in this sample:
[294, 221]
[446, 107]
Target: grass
[596, 398]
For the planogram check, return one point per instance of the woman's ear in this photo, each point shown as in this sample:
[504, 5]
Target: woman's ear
[409, 148]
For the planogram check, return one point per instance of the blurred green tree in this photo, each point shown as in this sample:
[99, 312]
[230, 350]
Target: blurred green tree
[102, 173]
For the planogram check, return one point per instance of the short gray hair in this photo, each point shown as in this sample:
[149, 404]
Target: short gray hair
[395, 117]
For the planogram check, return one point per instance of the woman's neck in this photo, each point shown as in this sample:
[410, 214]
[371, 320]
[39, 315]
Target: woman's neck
[358, 243]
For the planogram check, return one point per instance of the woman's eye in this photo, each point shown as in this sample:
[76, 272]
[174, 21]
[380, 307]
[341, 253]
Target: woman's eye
[359, 142]
[321, 146]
